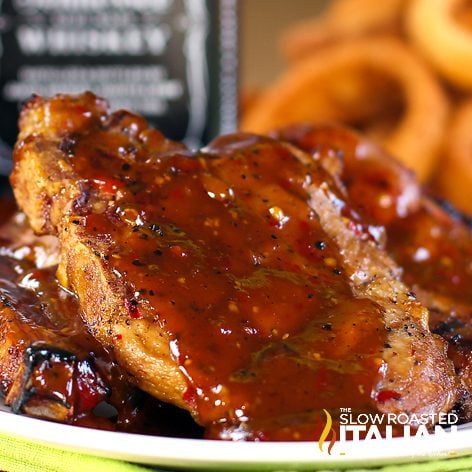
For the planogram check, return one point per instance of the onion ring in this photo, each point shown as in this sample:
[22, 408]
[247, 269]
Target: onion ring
[455, 172]
[343, 20]
[441, 38]
[355, 84]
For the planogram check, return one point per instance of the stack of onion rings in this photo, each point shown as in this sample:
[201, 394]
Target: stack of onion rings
[398, 91]
[343, 20]
[355, 83]
[437, 31]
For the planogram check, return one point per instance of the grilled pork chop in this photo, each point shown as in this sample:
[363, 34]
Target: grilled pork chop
[46, 364]
[432, 244]
[236, 282]
[50, 366]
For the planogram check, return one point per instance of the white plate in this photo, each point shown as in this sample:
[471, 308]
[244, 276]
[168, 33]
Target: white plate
[219, 455]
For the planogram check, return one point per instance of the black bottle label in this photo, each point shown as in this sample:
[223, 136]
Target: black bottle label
[173, 61]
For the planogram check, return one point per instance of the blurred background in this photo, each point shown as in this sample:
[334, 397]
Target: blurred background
[262, 24]
[398, 71]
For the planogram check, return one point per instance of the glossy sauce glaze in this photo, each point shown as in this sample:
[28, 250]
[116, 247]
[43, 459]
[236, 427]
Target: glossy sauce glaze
[220, 249]
[49, 347]
[50, 366]
[431, 242]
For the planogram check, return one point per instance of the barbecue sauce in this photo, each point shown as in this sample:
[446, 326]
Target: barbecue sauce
[220, 250]
[50, 366]
[430, 241]
[40, 323]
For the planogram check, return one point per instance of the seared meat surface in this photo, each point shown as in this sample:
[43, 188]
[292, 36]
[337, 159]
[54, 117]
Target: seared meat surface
[432, 244]
[237, 282]
[46, 364]
[50, 366]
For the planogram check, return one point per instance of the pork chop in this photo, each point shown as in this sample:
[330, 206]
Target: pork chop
[431, 242]
[47, 359]
[50, 366]
[235, 281]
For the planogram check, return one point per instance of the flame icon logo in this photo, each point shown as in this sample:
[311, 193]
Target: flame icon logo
[324, 434]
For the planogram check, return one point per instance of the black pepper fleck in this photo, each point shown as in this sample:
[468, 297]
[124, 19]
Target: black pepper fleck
[157, 229]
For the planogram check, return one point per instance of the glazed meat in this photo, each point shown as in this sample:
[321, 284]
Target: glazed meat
[46, 364]
[431, 242]
[50, 366]
[237, 282]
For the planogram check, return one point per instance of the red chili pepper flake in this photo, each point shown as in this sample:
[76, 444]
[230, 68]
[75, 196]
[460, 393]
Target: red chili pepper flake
[82, 110]
[133, 309]
[118, 337]
[385, 395]
[456, 279]
[178, 251]
[355, 228]
[38, 275]
[190, 396]
[260, 436]
[90, 387]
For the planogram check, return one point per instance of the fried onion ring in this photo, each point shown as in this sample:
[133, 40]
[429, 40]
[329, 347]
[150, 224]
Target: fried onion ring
[439, 34]
[343, 20]
[455, 171]
[358, 84]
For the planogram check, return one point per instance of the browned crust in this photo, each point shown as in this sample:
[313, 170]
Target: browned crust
[102, 297]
